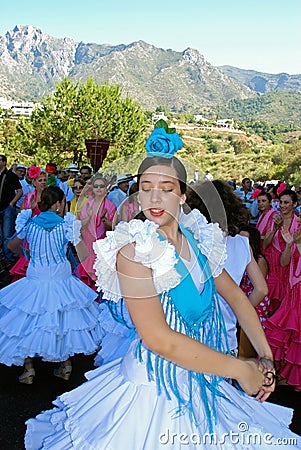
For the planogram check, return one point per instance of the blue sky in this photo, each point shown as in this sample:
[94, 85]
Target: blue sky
[263, 35]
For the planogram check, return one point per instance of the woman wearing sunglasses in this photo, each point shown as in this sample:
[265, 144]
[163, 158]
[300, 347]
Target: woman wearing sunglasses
[96, 215]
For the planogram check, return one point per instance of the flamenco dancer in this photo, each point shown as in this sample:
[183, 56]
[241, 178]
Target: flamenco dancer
[49, 313]
[172, 376]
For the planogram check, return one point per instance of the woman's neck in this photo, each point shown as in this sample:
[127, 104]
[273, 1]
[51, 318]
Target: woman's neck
[172, 233]
[287, 218]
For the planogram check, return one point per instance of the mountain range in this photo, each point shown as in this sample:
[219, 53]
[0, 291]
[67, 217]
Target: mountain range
[31, 62]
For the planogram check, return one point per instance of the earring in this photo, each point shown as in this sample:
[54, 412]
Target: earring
[181, 202]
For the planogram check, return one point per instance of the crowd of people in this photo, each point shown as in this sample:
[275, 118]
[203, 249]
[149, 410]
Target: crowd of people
[187, 293]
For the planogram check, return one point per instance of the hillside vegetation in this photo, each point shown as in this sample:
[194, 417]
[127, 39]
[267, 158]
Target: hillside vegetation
[276, 107]
[234, 155]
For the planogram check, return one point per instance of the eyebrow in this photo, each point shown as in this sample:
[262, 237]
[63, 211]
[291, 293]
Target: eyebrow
[160, 182]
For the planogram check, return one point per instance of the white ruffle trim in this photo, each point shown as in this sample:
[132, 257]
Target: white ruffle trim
[160, 256]
[72, 228]
[210, 238]
[22, 220]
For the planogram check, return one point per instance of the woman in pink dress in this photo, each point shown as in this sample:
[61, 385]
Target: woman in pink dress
[273, 245]
[97, 215]
[130, 207]
[283, 329]
[264, 225]
[30, 201]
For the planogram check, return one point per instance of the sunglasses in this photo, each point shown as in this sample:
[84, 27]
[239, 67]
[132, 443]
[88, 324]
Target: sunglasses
[78, 187]
[101, 186]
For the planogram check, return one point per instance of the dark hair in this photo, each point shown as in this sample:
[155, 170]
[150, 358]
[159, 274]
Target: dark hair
[265, 194]
[234, 214]
[244, 180]
[49, 197]
[291, 193]
[255, 241]
[133, 190]
[173, 162]
[79, 180]
[86, 167]
[273, 188]
[3, 158]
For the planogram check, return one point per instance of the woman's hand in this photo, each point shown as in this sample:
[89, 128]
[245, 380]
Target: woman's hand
[278, 221]
[104, 212]
[267, 366]
[258, 378]
[297, 236]
[251, 379]
[288, 238]
[33, 203]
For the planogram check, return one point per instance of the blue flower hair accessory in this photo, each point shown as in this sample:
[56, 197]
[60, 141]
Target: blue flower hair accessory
[163, 141]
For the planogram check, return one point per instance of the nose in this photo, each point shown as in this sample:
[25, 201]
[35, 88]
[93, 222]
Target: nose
[155, 196]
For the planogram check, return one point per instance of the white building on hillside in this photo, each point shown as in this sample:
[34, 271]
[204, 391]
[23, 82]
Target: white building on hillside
[17, 108]
[225, 123]
[158, 116]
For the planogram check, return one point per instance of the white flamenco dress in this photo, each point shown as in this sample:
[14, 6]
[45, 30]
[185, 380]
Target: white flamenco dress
[50, 313]
[141, 401]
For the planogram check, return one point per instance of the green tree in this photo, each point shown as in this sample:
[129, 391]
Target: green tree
[75, 112]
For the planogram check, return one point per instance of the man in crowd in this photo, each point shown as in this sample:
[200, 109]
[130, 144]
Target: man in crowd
[85, 173]
[10, 192]
[26, 184]
[245, 194]
[120, 193]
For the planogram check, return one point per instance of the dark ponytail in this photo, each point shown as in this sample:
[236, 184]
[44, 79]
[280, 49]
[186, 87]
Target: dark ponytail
[49, 197]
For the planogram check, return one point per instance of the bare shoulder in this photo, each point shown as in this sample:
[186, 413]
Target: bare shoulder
[127, 265]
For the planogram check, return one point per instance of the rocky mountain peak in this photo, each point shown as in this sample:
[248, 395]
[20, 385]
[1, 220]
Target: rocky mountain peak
[193, 56]
[31, 62]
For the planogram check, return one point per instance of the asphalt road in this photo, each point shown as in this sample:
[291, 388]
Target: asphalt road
[19, 402]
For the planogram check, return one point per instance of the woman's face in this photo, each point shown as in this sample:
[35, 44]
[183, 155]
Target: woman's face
[160, 194]
[77, 188]
[286, 204]
[40, 182]
[263, 203]
[99, 187]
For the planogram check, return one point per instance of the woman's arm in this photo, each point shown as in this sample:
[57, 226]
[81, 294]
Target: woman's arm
[147, 314]
[244, 312]
[86, 214]
[277, 223]
[286, 255]
[15, 246]
[263, 266]
[258, 281]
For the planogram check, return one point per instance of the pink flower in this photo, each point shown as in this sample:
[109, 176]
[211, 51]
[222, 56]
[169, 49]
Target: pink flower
[34, 172]
[281, 188]
[256, 193]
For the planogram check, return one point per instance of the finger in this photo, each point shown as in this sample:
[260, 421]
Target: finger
[262, 395]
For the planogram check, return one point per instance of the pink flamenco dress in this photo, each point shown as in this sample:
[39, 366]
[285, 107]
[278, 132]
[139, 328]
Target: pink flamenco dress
[19, 269]
[283, 329]
[278, 276]
[94, 230]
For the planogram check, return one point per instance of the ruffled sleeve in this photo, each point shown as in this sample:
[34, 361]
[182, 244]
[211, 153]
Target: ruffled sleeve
[159, 255]
[210, 238]
[72, 228]
[22, 221]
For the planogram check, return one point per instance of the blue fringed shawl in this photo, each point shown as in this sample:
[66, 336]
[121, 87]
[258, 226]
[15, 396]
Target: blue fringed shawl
[196, 315]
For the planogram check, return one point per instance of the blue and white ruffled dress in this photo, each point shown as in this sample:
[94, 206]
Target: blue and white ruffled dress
[50, 313]
[141, 401]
